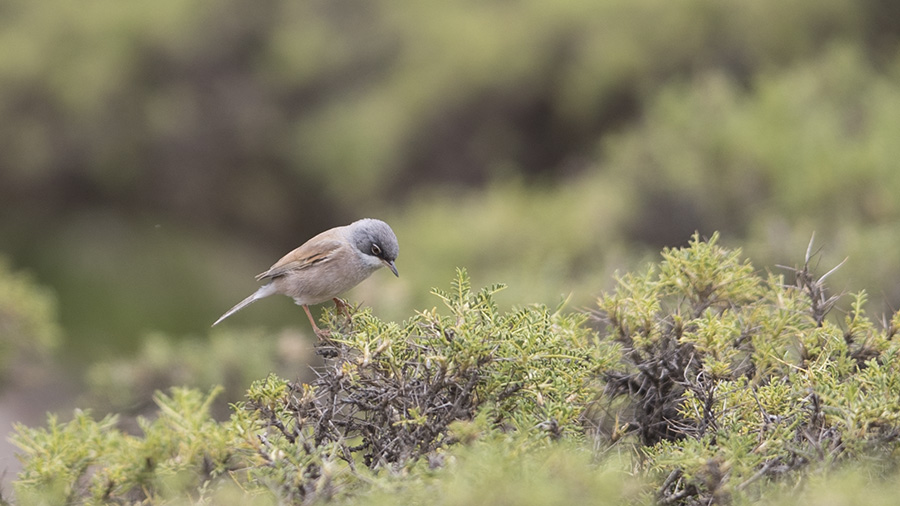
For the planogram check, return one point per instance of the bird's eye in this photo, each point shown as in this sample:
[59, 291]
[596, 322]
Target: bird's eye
[376, 250]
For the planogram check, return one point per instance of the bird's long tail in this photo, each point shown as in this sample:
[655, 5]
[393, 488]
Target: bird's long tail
[264, 291]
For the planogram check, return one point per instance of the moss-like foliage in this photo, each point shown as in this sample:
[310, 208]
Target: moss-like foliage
[708, 383]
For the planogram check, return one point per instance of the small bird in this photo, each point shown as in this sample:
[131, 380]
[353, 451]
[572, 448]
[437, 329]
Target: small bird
[328, 265]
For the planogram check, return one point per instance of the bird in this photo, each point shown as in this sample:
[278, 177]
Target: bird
[328, 265]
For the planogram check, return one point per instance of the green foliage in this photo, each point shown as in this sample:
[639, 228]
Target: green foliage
[57, 457]
[88, 461]
[729, 379]
[709, 384]
[387, 397]
[503, 471]
[533, 366]
[858, 485]
[139, 135]
[28, 321]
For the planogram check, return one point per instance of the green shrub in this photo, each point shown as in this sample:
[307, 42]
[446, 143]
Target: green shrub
[503, 471]
[729, 378]
[88, 461]
[28, 321]
[386, 397]
[710, 383]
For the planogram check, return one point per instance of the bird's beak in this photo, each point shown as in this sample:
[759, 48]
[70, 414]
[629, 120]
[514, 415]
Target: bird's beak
[390, 265]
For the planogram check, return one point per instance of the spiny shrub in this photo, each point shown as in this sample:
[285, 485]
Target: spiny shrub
[92, 462]
[727, 377]
[723, 383]
[386, 397]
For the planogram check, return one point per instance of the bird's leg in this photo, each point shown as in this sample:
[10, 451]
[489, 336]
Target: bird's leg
[321, 334]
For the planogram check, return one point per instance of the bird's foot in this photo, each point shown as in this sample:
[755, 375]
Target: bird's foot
[323, 335]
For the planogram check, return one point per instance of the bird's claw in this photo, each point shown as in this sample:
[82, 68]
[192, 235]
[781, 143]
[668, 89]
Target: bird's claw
[323, 335]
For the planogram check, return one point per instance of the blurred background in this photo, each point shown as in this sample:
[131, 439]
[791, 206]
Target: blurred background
[155, 156]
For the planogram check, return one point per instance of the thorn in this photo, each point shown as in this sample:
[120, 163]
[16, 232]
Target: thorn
[809, 247]
[836, 267]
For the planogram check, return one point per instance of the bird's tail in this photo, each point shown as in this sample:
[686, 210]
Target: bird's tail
[264, 291]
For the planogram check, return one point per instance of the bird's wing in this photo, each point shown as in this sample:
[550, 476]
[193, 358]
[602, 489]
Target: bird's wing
[309, 254]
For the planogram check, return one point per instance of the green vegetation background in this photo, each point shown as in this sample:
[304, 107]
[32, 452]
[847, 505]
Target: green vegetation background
[155, 156]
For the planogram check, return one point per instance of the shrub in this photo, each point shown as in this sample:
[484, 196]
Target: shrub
[28, 321]
[89, 461]
[728, 378]
[726, 385]
[386, 397]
